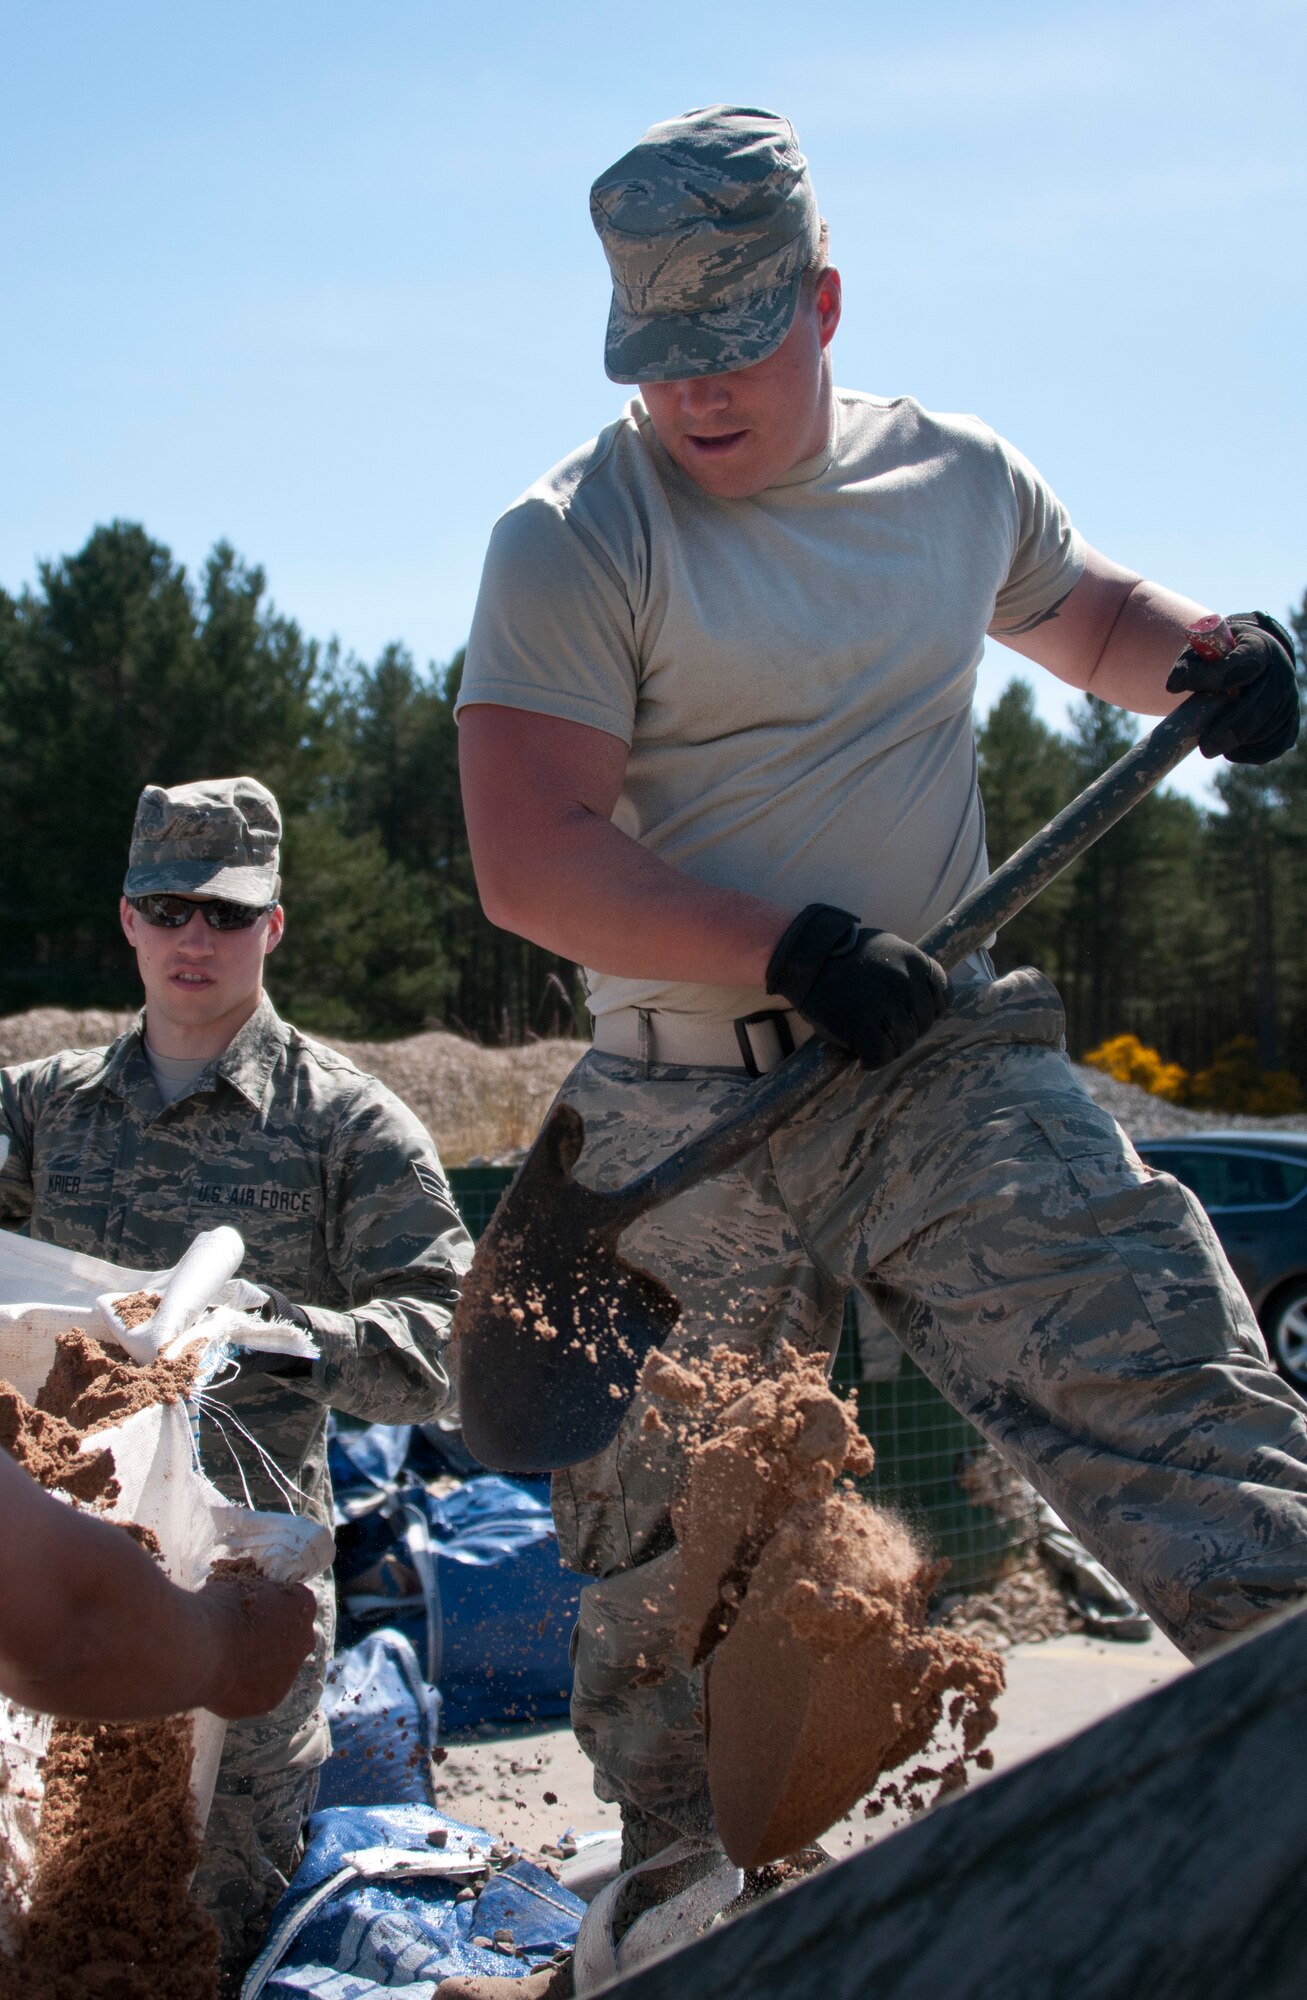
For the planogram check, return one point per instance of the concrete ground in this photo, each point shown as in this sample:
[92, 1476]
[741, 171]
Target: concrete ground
[528, 1787]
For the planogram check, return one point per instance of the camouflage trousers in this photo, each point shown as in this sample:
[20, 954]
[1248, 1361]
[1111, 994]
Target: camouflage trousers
[1073, 1304]
[267, 1783]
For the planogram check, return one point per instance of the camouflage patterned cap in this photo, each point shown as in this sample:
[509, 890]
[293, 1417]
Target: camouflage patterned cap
[708, 226]
[217, 837]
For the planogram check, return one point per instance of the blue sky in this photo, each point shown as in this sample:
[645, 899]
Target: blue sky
[321, 279]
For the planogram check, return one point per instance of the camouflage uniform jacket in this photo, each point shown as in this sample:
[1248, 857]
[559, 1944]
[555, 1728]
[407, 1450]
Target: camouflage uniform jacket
[335, 1186]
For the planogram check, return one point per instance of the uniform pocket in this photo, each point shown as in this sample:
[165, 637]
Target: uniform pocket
[279, 1215]
[1157, 1230]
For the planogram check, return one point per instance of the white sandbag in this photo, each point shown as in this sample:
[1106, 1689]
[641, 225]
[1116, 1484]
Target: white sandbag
[162, 1487]
[201, 1299]
[58, 1277]
[191, 1287]
[24, 1739]
[287, 1547]
[162, 1490]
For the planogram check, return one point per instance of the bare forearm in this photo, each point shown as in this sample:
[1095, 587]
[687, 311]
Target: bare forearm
[598, 897]
[103, 1634]
[1142, 648]
[539, 796]
[1115, 635]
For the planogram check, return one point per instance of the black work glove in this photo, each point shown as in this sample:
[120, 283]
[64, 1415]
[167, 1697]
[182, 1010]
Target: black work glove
[278, 1306]
[290, 1367]
[1260, 721]
[866, 991]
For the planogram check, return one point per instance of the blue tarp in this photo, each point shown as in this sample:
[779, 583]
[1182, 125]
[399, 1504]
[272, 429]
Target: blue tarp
[472, 1579]
[383, 1718]
[373, 1907]
[507, 1604]
[365, 1465]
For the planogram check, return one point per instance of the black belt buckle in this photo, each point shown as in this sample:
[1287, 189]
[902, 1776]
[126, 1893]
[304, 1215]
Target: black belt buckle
[780, 1028]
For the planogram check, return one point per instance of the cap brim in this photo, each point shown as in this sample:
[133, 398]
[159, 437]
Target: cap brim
[255, 886]
[671, 347]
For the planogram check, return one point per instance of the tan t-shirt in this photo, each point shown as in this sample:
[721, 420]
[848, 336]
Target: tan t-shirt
[794, 672]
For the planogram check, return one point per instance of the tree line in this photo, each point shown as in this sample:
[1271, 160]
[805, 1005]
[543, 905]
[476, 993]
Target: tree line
[117, 669]
[1183, 926]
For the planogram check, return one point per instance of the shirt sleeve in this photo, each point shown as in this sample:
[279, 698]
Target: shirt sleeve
[398, 1249]
[16, 1127]
[1048, 555]
[553, 630]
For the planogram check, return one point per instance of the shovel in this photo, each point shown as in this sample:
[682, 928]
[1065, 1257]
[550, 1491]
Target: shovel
[554, 1324]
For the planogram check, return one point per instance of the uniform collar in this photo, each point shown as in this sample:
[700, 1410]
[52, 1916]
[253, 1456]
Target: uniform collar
[250, 1056]
[246, 1063]
[125, 1069]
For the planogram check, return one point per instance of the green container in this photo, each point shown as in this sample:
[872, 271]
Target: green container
[936, 1469]
[477, 1191]
[931, 1465]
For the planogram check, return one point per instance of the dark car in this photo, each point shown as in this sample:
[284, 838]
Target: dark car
[1254, 1187]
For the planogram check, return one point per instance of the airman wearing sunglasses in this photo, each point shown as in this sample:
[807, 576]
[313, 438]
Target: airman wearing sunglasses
[212, 1109]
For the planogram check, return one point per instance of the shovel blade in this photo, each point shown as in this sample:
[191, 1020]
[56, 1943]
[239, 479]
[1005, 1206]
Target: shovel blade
[553, 1326]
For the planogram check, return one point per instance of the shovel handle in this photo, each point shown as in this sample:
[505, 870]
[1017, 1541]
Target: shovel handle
[782, 1092]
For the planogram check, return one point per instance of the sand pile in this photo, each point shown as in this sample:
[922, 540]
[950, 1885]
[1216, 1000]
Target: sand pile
[1144, 1116]
[488, 1102]
[1031, 1604]
[476, 1102]
[552, 1982]
[109, 1912]
[86, 1391]
[43, 1031]
[807, 1608]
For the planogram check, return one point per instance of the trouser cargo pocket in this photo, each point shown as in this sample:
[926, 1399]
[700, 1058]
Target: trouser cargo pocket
[1160, 1234]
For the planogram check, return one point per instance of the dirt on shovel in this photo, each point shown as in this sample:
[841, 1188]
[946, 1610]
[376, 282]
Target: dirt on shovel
[806, 1606]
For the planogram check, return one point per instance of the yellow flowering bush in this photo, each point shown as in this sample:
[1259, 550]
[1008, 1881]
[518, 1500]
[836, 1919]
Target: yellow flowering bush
[1232, 1080]
[1130, 1061]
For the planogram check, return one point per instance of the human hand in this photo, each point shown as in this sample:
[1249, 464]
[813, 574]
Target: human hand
[865, 990]
[257, 1635]
[1260, 721]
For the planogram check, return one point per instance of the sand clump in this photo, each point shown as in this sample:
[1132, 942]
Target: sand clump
[807, 1608]
[109, 1911]
[93, 1390]
[136, 1308]
[85, 1392]
[50, 1449]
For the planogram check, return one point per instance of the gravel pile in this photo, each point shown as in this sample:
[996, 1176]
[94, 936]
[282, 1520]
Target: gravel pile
[1147, 1117]
[478, 1103]
[46, 1030]
[487, 1104]
[1030, 1604]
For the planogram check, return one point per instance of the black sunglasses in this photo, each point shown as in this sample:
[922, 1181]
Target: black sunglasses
[172, 913]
